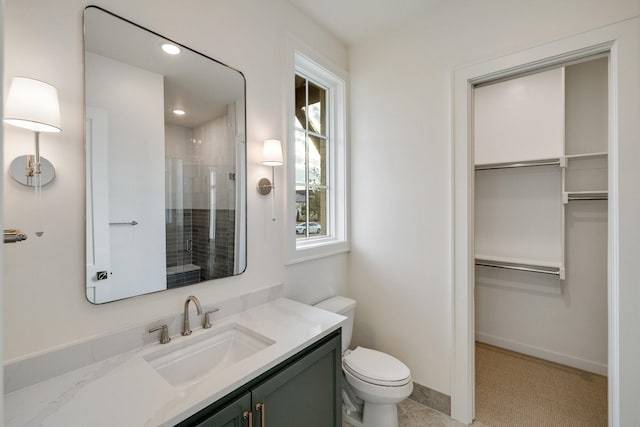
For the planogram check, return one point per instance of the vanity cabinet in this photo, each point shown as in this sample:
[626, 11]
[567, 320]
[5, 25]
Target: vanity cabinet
[302, 391]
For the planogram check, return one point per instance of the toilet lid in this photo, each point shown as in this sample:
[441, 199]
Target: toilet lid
[376, 367]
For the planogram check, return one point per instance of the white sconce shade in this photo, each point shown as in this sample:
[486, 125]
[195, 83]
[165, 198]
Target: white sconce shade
[33, 105]
[272, 153]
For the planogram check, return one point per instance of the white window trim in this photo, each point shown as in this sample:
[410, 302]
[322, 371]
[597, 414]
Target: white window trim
[302, 60]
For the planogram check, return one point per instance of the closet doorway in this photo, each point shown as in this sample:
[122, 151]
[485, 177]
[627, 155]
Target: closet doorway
[620, 41]
[540, 145]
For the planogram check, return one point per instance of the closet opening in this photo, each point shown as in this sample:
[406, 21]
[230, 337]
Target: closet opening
[540, 149]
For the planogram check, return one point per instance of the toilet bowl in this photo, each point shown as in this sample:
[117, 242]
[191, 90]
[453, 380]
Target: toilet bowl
[375, 381]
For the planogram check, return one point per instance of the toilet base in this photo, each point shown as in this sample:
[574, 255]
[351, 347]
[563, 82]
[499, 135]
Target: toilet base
[352, 418]
[380, 415]
[374, 416]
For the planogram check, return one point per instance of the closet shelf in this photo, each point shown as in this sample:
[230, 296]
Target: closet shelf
[518, 164]
[520, 265]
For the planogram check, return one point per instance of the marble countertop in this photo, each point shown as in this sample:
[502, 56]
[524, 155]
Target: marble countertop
[124, 390]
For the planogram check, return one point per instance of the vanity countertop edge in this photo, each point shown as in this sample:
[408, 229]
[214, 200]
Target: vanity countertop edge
[125, 390]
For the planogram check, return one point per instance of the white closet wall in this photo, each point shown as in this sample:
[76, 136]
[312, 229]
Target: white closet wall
[519, 215]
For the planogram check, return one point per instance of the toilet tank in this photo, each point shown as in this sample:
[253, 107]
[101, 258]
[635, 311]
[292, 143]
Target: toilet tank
[346, 307]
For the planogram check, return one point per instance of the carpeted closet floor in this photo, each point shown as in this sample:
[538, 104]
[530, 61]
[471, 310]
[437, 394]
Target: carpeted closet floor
[513, 389]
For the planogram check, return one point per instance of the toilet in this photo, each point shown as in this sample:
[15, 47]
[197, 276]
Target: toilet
[375, 381]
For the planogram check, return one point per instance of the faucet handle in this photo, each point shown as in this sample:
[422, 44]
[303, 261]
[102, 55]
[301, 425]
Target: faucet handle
[164, 335]
[207, 323]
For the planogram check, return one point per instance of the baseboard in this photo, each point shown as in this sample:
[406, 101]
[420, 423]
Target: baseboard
[541, 353]
[431, 398]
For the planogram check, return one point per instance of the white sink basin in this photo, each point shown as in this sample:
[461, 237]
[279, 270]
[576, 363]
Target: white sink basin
[194, 357]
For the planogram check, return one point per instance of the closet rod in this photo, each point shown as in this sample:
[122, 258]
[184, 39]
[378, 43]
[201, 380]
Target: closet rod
[519, 267]
[582, 198]
[522, 164]
[577, 196]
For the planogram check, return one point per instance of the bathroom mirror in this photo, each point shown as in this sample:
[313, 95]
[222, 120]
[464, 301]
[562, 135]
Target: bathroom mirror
[165, 162]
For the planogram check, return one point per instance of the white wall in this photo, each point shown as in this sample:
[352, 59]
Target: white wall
[1, 200]
[400, 163]
[45, 277]
[518, 214]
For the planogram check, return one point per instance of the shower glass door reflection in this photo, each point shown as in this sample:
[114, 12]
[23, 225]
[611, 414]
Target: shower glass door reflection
[199, 232]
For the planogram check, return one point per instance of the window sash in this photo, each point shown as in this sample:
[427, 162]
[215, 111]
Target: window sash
[305, 130]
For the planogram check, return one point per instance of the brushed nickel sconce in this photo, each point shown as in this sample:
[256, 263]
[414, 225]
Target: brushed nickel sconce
[32, 104]
[271, 156]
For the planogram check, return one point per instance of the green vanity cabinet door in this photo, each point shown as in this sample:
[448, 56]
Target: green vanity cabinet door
[305, 394]
[231, 415]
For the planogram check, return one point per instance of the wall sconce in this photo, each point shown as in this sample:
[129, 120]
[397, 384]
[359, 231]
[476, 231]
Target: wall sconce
[33, 105]
[271, 156]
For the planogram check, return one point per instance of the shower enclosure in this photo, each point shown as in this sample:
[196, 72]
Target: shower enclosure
[200, 204]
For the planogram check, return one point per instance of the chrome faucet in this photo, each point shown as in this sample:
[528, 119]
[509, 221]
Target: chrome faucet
[186, 329]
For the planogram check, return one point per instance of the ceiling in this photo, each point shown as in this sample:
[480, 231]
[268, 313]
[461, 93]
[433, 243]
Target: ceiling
[192, 82]
[356, 20]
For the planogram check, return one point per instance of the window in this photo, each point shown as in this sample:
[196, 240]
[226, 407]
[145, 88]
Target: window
[311, 148]
[317, 220]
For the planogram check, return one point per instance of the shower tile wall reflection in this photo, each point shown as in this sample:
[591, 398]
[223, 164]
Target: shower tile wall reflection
[225, 238]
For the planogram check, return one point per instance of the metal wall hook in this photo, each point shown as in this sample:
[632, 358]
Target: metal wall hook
[11, 235]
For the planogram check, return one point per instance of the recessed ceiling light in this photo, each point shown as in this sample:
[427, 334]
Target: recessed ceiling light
[179, 112]
[171, 49]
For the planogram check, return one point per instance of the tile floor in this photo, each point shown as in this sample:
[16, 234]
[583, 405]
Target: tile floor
[413, 414]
